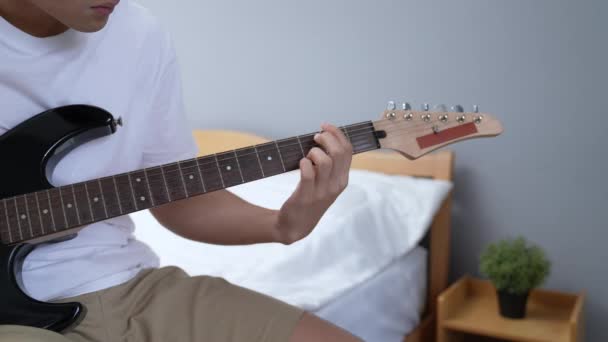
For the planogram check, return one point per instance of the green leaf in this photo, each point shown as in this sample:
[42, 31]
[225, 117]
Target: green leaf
[514, 266]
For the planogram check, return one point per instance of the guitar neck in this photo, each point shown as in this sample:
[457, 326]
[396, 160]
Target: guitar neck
[47, 212]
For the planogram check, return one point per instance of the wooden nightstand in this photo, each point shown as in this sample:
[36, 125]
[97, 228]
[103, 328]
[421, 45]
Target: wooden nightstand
[469, 308]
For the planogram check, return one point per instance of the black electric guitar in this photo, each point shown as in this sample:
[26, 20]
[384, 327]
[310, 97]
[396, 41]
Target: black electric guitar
[33, 211]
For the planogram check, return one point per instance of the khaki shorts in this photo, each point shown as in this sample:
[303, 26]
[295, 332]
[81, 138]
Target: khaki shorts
[168, 305]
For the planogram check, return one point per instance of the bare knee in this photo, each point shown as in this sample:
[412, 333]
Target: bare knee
[313, 328]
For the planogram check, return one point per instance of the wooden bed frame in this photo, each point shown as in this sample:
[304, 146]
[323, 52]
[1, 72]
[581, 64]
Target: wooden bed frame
[437, 241]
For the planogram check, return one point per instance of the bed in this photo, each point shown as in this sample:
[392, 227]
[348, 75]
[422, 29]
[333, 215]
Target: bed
[416, 277]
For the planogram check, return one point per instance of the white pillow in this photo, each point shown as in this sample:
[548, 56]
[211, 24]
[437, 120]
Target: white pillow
[374, 221]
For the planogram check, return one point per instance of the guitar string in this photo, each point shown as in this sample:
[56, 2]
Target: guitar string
[274, 149]
[75, 193]
[369, 129]
[68, 226]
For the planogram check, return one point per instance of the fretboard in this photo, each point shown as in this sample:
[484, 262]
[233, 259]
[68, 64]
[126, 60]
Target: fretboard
[35, 215]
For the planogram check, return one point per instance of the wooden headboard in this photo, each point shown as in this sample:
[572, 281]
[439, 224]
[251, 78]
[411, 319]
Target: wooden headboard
[436, 166]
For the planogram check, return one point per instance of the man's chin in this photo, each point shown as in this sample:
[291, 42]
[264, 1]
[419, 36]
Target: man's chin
[92, 26]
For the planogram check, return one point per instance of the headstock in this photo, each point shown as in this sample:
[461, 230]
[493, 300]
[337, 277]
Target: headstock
[416, 133]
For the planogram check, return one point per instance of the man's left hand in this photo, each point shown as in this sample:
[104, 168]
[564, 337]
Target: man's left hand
[324, 175]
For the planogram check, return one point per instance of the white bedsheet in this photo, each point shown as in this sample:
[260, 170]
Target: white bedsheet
[375, 221]
[386, 307]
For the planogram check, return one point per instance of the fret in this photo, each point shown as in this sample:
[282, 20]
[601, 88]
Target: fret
[210, 173]
[148, 187]
[8, 224]
[141, 194]
[345, 131]
[217, 164]
[300, 144]
[308, 142]
[257, 155]
[158, 187]
[32, 223]
[96, 205]
[192, 177]
[89, 199]
[44, 202]
[359, 132]
[67, 203]
[33, 218]
[291, 153]
[165, 182]
[229, 169]
[181, 176]
[200, 174]
[269, 156]
[135, 200]
[250, 165]
[103, 198]
[13, 219]
[364, 138]
[82, 203]
[239, 166]
[280, 156]
[42, 222]
[125, 194]
[348, 135]
[57, 207]
[75, 203]
[109, 196]
[175, 184]
[24, 229]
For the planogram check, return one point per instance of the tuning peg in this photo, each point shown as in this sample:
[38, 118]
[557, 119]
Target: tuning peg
[440, 108]
[457, 109]
[391, 105]
[408, 116]
[426, 117]
[478, 118]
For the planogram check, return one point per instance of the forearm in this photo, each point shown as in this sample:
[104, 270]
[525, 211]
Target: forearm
[223, 218]
[220, 218]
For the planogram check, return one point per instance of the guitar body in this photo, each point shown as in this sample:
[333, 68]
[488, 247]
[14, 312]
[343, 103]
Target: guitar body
[29, 153]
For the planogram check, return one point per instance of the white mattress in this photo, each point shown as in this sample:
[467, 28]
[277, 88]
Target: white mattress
[387, 306]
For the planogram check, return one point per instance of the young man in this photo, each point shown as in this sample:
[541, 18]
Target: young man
[59, 52]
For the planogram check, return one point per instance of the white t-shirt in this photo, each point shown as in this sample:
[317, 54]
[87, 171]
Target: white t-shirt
[128, 68]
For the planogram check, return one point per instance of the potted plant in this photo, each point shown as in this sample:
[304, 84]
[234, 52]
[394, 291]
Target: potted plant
[515, 268]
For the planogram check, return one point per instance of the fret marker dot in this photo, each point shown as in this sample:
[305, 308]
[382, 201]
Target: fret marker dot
[142, 198]
[138, 180]
[69, 205]
[23, 217]
[269, 157]
[191, 177]
[95, 199]
[228, 167]
[45, 211]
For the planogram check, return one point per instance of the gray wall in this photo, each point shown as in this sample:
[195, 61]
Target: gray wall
[279, 68]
